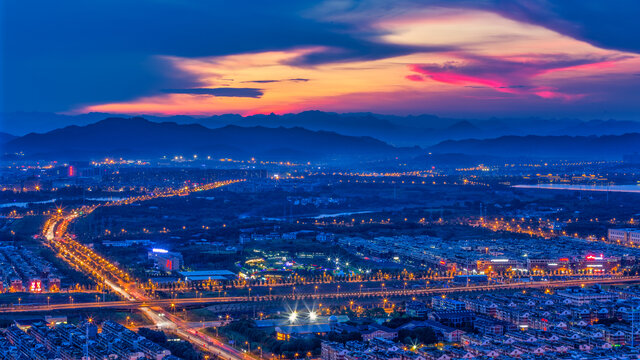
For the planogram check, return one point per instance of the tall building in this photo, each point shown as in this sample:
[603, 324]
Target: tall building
[627, 236]
[166, 260]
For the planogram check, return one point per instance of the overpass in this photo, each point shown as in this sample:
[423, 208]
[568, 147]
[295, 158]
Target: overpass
[84, 259]
[395, 294]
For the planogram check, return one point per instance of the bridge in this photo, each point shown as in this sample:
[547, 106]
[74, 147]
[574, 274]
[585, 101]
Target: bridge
[388, 294]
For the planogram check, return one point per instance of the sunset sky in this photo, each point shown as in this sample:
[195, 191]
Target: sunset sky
[575, 58]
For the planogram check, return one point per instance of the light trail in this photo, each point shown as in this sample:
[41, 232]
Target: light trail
[99, 268]
[604, 188]
[387, 293]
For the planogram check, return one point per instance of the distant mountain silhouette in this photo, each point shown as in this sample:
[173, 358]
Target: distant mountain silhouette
[611, 147]
[4, 137]
[421, 130]
[141, 137]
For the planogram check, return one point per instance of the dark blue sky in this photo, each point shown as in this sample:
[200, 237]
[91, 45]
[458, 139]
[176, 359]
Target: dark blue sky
[564, 58]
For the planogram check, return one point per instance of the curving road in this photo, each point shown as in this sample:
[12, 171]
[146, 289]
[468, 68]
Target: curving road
[55, 233]
[154, 309]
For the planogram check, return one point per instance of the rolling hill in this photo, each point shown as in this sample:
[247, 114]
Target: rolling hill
[609, 147]
[141, 137]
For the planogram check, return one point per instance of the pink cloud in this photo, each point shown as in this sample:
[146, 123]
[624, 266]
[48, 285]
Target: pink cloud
[414, 77]
[507, 75]
[453, 78]
[591, 66]
[551, 93]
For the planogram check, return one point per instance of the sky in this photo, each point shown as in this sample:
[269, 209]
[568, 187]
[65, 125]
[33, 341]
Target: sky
[459, 58]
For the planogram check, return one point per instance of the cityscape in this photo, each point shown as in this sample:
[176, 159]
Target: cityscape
[325, 180]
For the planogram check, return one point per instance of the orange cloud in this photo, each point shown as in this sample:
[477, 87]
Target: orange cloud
[535, 61]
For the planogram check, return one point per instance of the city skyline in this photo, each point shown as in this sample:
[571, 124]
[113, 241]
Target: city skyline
[319, 180]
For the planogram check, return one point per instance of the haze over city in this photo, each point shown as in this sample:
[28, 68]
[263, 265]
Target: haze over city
[329, 180]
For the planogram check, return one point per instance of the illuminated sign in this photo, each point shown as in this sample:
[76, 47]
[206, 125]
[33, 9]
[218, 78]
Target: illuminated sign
[161, 251]
[500, 260]
[35, 286]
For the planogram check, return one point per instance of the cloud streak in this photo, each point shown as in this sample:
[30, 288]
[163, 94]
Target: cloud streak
[222, 92]
[275, 81]
[511, 76]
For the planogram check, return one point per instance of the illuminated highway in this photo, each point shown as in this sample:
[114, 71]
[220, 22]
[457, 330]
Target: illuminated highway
[84, 259]
[145, 304]
[105, 273]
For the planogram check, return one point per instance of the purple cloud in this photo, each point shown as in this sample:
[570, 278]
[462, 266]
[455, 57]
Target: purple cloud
[224, 92]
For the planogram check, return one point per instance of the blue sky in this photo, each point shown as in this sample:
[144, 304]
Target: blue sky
[451, 58]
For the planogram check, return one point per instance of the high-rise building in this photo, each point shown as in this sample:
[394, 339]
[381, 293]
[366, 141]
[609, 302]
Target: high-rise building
[166, 260]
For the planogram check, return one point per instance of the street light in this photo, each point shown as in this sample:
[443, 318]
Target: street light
[293, 316]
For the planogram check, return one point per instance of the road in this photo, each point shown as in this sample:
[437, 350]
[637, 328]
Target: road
[409, 293]
[83, 258]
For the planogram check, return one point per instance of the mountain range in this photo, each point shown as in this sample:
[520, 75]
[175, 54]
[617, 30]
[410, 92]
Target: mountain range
[421, 130]
[141, 137]
[605, 147]
[4, 137]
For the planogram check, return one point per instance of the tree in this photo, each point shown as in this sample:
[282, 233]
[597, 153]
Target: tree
[423, 335]
[181, 349]
[343, 337]
[157, 337]
[396, 322]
